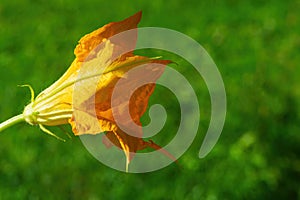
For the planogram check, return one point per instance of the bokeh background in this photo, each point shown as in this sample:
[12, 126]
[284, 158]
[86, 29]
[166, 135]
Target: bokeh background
[256, 46]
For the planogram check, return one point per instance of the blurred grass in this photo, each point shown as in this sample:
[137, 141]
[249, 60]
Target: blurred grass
[256, 46]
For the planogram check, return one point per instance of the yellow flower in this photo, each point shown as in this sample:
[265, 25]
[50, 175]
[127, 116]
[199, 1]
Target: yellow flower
[56, 104]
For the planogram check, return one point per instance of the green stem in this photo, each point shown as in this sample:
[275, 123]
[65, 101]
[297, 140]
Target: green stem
[12, 121]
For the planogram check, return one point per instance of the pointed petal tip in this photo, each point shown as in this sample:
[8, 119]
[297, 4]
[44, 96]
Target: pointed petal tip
[154, 146]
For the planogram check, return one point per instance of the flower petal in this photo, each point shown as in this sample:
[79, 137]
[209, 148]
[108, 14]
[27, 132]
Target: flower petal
[92, 40]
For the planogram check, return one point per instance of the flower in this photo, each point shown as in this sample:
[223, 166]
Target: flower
[101, 61]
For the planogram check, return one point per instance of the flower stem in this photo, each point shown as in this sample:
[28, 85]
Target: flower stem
[12, 121]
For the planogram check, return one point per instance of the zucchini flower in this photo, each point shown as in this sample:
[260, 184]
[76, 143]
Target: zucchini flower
[83, 95]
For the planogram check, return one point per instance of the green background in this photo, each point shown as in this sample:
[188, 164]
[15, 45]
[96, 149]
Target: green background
[256, 47]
